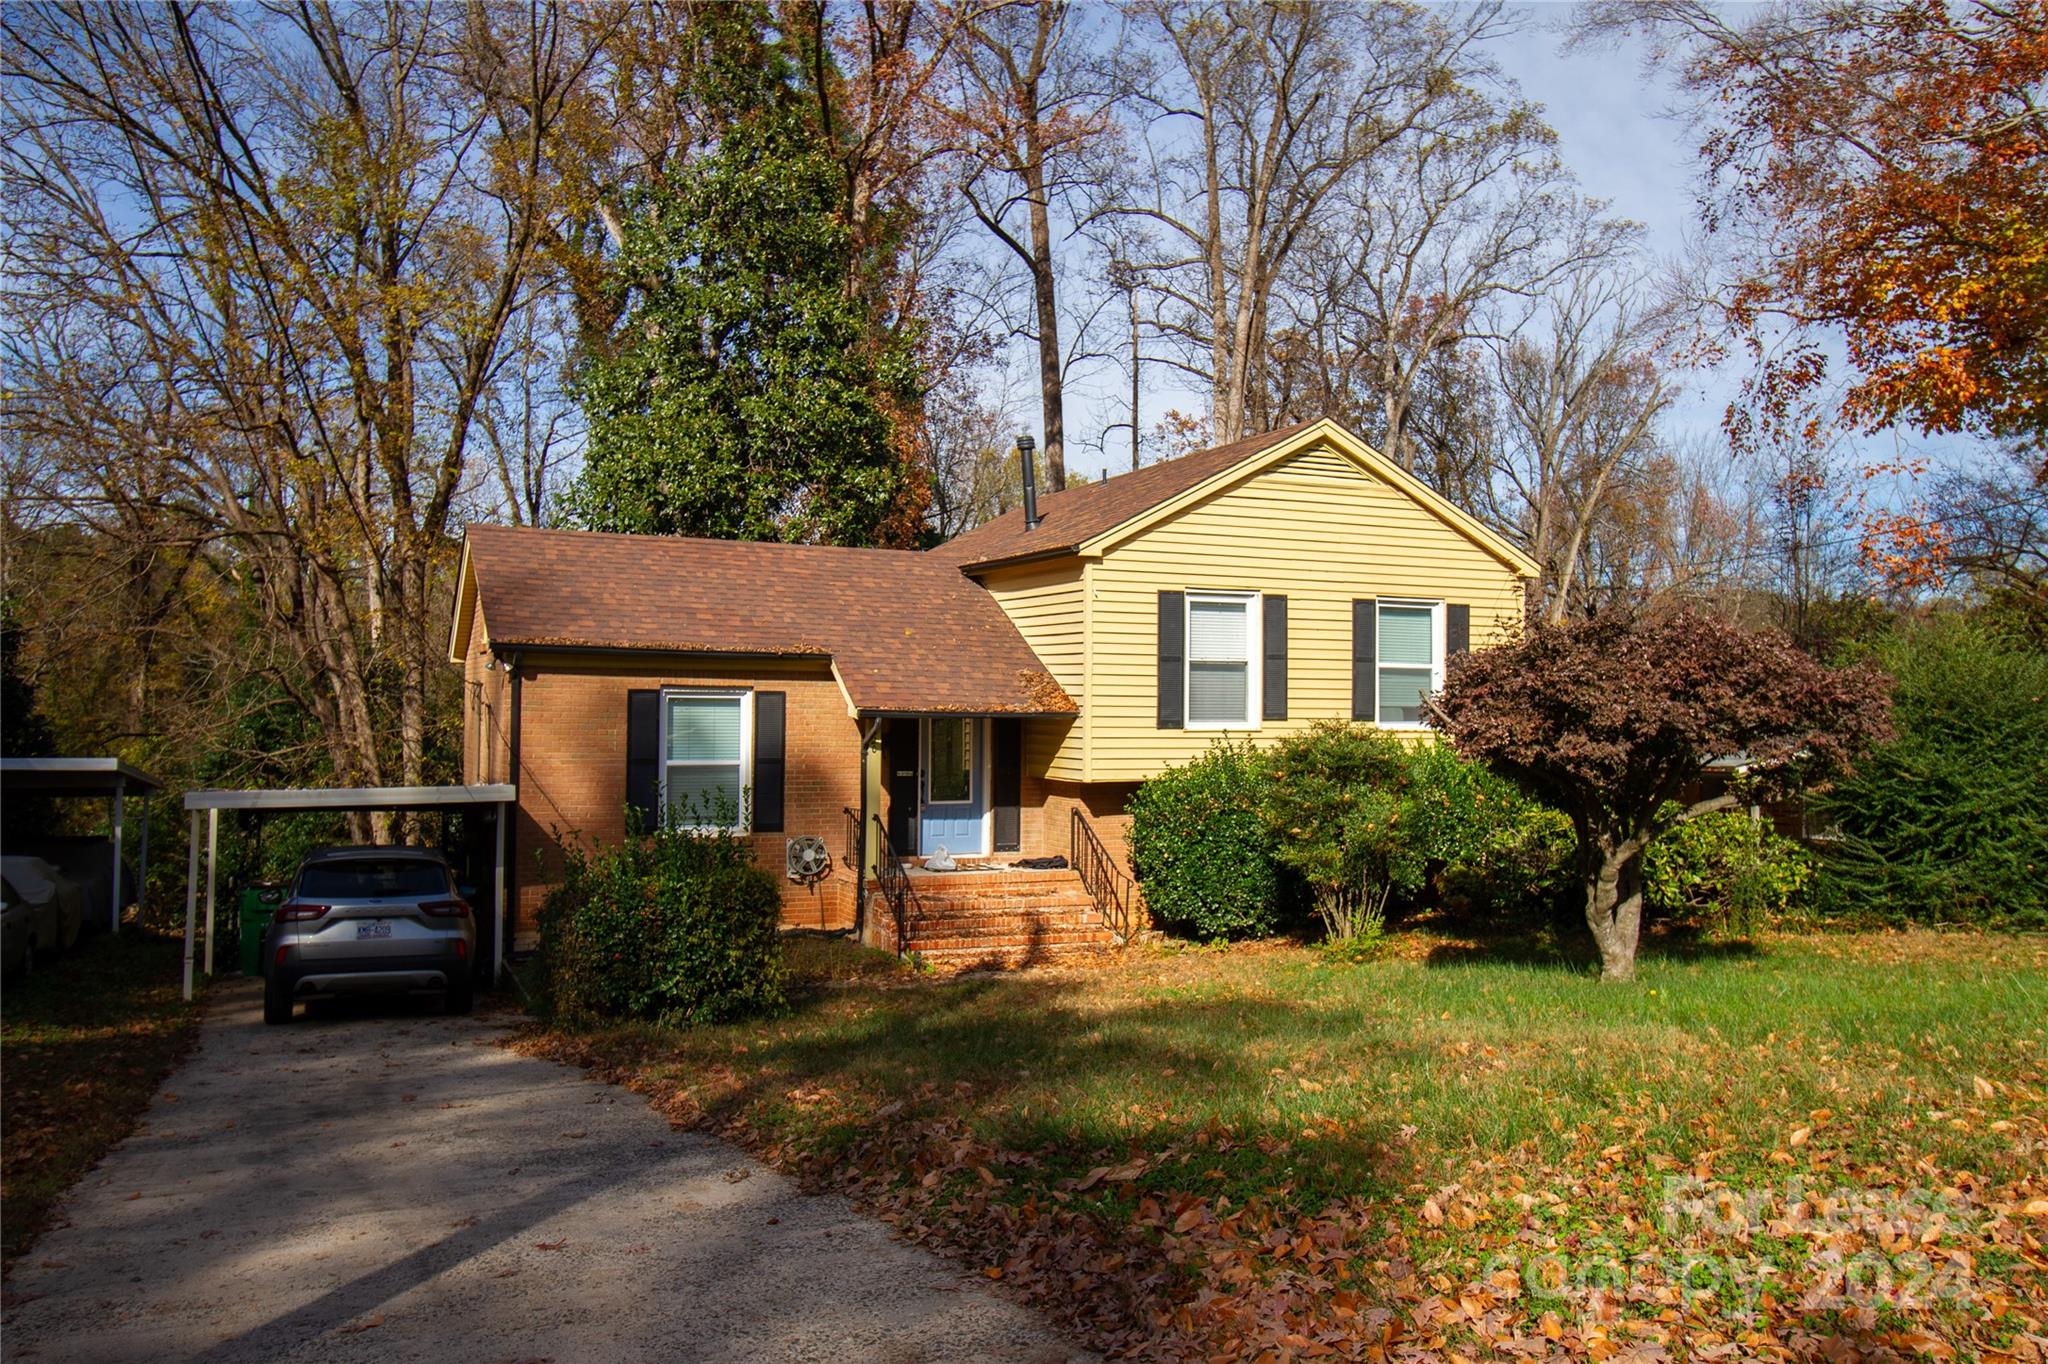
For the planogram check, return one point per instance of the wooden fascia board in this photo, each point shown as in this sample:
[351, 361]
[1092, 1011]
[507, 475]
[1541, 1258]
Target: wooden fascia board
[465, 606]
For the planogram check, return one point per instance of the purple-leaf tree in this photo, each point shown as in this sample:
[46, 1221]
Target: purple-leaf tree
[1608, 718]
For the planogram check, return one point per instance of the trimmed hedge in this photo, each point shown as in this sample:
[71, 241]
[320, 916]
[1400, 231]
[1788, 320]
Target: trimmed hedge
[1230, 845]
[1201, 849]
[676, 926]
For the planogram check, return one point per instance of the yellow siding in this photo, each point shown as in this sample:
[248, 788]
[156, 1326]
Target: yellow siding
[1316, 527]
[1047, 606]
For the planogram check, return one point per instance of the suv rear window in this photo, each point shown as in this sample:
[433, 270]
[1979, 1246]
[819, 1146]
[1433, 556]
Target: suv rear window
[365, 878]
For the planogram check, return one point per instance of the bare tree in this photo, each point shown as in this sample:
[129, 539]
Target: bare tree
[263, 270]
[1271, 109]
[1438, 235]
[1032, 98]
[1581, 392]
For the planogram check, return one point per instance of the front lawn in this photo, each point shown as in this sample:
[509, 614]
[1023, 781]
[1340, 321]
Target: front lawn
[83, 1042]
[1819, 1144]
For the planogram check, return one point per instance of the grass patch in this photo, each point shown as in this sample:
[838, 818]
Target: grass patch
[821, 959]
[1210, 1149]
[83, 1042]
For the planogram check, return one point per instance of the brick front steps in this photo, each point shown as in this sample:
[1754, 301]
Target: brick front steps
[964, 919]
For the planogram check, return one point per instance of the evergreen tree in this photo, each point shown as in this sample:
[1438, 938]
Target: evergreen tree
[746, 395]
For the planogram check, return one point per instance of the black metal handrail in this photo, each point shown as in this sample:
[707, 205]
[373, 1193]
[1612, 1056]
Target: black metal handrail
[893, 882]
[851, 859]
[1109, 885]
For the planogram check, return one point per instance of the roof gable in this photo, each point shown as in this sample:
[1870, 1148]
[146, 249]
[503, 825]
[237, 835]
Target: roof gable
[904, 632]
[1095, 517]
[1072, 517]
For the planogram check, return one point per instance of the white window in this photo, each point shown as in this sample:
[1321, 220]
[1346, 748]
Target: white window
[1411, 660]
[707, 758]
[1223, 641]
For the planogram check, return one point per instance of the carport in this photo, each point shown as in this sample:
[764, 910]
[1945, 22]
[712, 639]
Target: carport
[108, 779]
[338, 800]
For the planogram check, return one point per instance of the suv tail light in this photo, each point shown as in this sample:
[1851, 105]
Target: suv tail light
[299, 909]
[445, 909]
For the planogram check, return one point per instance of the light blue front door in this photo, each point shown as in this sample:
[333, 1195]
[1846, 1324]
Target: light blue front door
[953, 813]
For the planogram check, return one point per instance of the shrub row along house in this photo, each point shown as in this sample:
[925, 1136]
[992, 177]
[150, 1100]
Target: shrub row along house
[995, 699]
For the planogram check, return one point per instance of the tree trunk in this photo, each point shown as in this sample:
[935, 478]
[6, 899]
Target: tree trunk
[1614, 911]
[1044, 287]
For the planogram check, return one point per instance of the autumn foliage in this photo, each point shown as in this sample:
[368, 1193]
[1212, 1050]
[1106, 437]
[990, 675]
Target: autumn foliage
[1885, 168]
[1609, 718]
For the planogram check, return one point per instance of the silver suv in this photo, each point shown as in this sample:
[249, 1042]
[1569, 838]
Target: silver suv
[369, 919]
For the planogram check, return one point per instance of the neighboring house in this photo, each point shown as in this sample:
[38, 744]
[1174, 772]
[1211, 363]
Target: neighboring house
[999, 697]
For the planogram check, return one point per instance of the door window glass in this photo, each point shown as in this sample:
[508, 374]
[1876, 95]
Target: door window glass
[952, 760]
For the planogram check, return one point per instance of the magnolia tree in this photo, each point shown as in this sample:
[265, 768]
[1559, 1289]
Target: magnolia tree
[1609, 718]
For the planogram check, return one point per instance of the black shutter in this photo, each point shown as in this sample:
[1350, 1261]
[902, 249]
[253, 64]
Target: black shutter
[1457, 630]
[770, 707]
[1008, 778]
[643, 757]
[1273, 689]
[1365, 657]
[1173, 650]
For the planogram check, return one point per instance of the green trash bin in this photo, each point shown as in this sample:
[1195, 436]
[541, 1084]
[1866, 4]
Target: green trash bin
[259, 904]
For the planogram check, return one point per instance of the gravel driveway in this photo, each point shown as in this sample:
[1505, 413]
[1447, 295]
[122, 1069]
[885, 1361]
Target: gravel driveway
[389, 1184]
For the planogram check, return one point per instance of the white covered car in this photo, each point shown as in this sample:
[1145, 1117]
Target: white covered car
[44, 914]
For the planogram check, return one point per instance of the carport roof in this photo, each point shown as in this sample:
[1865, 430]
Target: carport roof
[353, 798]
[73, 776]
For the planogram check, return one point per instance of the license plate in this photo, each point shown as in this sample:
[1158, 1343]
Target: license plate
[373, 928]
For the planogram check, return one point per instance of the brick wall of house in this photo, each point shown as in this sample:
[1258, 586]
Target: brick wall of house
[486, 716]
[572, 781]
[1050, 806]
[572, 778]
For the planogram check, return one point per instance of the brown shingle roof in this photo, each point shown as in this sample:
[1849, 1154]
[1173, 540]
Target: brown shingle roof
[1071, 518]
[905, 631]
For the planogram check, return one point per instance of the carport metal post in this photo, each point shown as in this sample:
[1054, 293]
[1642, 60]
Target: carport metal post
[117, 815]
[212, 877]
[191, 896]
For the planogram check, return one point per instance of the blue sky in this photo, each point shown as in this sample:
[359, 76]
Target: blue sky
[1618, 132]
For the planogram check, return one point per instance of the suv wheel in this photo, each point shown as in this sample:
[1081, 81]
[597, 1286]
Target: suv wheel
[277, 998]
[462, 994]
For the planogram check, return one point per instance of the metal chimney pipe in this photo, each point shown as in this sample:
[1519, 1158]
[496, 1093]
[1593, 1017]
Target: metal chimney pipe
[1025, 447]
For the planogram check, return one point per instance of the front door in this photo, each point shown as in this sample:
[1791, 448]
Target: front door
[900, 742]
[955, 811]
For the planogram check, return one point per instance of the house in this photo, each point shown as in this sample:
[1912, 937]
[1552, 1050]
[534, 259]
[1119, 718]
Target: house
[996, 698]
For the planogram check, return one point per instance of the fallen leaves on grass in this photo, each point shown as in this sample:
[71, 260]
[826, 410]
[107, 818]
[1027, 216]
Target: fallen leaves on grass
[1849, 1244]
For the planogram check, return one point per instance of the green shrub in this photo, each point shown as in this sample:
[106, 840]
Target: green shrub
[1949, 821]
[1497, 850]
[1338, 805]
[1352, 815]
[678, 926]
[1200, 849]
[1729, 871]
